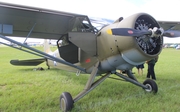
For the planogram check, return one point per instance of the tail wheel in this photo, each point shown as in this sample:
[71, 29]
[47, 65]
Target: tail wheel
[152, 86]
[66, 102]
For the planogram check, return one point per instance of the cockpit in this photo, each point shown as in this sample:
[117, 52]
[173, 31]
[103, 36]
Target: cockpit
[85, 24]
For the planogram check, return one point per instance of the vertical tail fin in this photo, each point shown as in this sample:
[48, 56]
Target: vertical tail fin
[47, 46]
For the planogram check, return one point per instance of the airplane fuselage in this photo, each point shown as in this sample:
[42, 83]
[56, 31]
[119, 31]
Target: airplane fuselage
[120, 52]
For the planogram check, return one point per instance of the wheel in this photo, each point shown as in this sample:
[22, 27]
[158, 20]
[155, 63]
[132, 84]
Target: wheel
[66, 102]
[152, 86]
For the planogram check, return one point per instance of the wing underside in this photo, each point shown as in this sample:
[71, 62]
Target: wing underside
[20, 21]
[169, 25]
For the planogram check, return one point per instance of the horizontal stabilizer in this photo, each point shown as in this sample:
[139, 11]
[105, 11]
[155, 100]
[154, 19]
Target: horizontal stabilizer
[31, 62]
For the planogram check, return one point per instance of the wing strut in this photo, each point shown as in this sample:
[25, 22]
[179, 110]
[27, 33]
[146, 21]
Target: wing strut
[29, 33]
[40, 53]
[24, 50]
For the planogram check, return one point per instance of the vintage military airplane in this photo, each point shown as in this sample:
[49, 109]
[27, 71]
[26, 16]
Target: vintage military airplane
[84, 48]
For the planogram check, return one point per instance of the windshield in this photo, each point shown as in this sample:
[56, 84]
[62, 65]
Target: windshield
[84, 24]
[98, 23]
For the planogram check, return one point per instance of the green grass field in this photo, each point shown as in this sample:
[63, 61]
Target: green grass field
[24, 90]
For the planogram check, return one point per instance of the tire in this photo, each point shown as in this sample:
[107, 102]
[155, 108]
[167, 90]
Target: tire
[152, 86]
[66, 102]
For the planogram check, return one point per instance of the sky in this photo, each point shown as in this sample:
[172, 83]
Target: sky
[164, 10]
[110, 9]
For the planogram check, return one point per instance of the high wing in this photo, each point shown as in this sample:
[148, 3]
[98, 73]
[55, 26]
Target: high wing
[169, 25]
[21, 21]
[24, 21]
[171, 28]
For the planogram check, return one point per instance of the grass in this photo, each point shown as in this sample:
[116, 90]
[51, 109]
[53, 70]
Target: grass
[24, 90]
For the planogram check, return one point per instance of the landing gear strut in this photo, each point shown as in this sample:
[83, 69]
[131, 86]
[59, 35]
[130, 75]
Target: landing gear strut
[148, 85]
[66, 100]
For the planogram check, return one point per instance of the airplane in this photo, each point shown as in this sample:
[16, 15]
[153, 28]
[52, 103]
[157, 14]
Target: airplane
[82, 48]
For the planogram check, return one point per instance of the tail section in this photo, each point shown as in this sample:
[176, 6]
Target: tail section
[30, 62]
[33, 62]
[47, 46]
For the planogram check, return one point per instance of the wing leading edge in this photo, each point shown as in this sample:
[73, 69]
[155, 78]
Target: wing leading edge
[170, 25]
[16, 20]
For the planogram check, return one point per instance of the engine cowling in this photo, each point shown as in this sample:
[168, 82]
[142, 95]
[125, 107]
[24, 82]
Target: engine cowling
[128, 51]
[144, 47]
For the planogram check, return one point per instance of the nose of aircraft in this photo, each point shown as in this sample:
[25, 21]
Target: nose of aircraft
[145, 29]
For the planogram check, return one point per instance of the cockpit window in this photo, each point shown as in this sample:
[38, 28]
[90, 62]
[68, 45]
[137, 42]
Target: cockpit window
[81, 24]
[84, 24]
[99, 23]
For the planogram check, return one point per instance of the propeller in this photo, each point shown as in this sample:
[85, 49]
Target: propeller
[172, 33]
[128, 32]
[137, 33]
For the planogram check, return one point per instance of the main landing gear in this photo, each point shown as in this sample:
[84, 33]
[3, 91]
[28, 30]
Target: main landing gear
[148, 85]
[66, 100]
[152, 86]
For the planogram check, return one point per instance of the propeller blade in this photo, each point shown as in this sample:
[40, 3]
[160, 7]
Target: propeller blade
[127, 32]
[171, 33]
